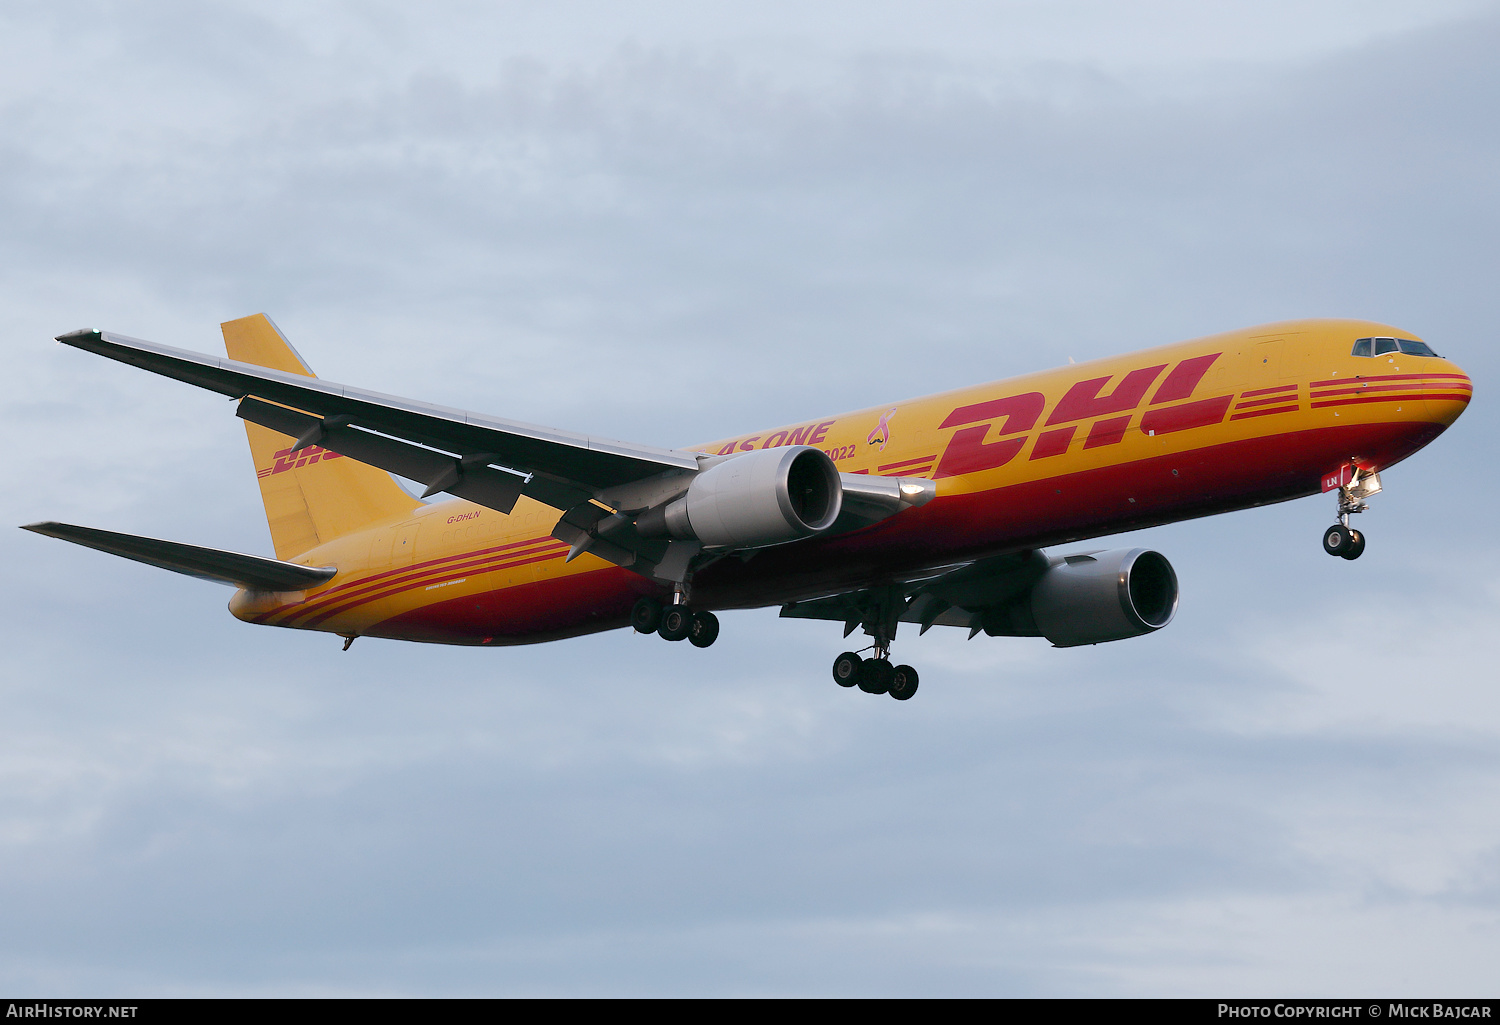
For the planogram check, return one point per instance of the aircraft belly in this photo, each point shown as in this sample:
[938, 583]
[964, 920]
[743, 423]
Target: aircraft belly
[542, 610]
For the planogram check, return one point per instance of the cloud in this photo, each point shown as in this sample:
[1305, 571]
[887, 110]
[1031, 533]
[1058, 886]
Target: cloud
[670, 234]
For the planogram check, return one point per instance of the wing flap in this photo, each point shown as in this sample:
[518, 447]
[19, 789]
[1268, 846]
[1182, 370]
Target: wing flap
[951, 596]
[250, 571]
[469, 477]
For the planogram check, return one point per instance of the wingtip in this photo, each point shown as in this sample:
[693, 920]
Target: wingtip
[73, 337]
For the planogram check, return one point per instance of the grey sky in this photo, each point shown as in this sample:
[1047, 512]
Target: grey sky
[672, 226]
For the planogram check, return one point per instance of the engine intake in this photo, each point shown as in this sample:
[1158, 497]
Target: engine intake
[757, 499]
[1104, 596]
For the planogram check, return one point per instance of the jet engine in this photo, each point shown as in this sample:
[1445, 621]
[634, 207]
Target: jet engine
[753, 500]
[1087, 599]
[1104, 596]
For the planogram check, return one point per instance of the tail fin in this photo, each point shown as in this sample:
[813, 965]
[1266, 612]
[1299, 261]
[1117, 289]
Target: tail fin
[314, 495]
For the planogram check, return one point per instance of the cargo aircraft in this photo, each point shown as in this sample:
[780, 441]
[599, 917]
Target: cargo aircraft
[931, 511]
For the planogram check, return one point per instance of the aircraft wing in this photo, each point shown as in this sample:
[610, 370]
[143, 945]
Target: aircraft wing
[965, 595]
[250, 571]
[482, 458]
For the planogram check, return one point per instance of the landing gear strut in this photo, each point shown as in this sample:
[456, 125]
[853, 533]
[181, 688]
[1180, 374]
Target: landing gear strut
[876, 675]
[1341, 539]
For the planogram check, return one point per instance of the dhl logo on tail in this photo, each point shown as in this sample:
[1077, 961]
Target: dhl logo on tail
[286, 459]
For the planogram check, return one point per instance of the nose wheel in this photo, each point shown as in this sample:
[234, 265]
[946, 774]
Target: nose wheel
[1342, 540]
[1345, 542]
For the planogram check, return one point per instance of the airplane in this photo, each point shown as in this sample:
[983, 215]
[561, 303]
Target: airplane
[932, 511]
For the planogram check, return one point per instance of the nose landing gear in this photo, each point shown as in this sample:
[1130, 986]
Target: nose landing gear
[1341, 539]
[1345, 542]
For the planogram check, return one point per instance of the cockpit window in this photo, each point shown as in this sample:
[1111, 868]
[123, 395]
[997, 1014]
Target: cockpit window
[1412, 348]
[1381, 346]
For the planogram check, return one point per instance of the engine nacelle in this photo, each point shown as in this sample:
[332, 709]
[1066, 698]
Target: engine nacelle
[757, 499]
[1104, 596]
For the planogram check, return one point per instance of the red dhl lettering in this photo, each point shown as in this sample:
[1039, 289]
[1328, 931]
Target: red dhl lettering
[1011, 417]
[1186, 416]
[1020, 412]
[968, 452]
[1083, 401]
[1183, 379]
[1053, 443]
[472, 515]
[1107, 432]
[286, 459]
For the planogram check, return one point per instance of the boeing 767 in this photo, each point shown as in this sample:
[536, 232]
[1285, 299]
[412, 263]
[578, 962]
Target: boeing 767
[932, 511]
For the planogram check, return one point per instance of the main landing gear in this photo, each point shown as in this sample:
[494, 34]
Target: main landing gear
[875, 675]
[879, 612]
[674, 622]
[1341, 539]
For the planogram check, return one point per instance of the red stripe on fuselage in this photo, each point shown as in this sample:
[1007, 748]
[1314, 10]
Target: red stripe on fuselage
[1268, 391]
[1265, 412]
[1391, 377]
[908, 462]
[1408, 387]
[1265, 402]
[429, 570]
[394, 589]
[1406, 397]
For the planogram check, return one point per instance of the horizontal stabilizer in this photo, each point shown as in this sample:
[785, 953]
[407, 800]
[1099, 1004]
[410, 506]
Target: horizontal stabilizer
[250, 571]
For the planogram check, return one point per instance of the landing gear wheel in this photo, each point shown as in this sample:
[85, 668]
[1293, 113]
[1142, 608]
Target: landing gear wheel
[903, 683]
[1356, 547]
[704, 629]
[875, 675]
[1338, 539]
[676, 622]
[846, 669]
[646, 615]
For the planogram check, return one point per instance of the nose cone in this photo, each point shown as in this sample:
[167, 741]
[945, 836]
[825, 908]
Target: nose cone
[1385, 390]
[1446, 388]
[1390, 374]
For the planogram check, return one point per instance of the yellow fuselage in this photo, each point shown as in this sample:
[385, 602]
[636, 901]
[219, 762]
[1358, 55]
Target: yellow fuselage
[1206, 426]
